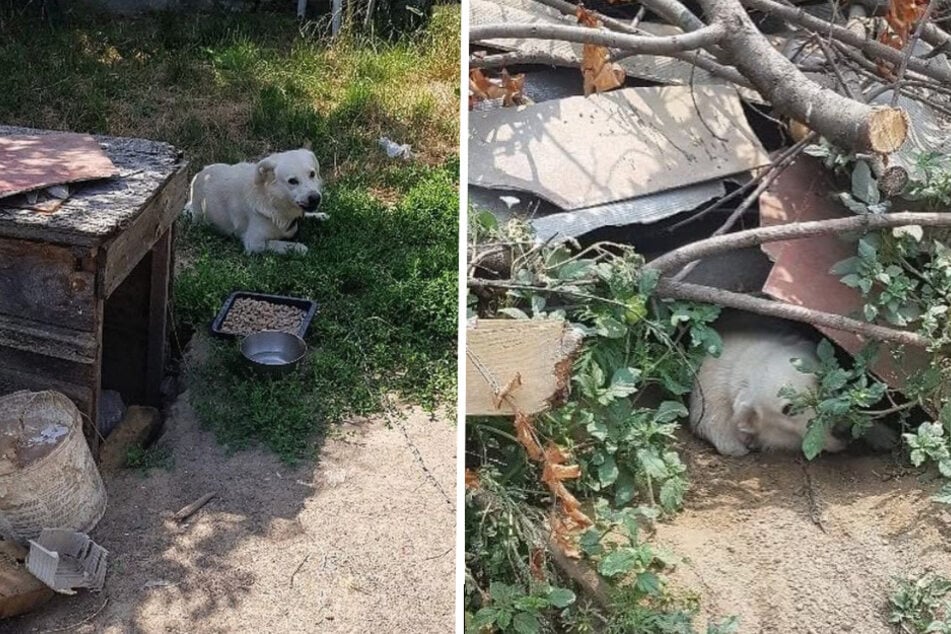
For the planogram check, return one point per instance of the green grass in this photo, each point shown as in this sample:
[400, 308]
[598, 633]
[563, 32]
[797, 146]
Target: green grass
[146, 459]
[236, 87]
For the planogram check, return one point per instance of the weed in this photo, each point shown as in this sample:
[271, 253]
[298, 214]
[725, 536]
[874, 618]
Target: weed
[146, 459]
[921, 606]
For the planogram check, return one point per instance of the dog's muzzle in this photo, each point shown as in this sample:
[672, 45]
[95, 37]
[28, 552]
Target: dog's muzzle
[313, 202]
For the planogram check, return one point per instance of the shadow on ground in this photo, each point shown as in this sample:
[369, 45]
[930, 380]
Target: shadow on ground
[362, 541]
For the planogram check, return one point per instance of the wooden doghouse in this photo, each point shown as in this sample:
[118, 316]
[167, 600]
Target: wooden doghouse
[84, 290]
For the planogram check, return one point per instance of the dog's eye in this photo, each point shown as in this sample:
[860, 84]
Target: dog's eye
[312, 174]
[787, 409]
[293, 181]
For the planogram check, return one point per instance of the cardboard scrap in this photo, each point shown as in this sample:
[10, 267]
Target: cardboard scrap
[65, 559]
[33, 162]
[527, 360]
[584, 151]
[801, 276]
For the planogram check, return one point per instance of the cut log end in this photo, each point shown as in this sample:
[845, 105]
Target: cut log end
[893, 180]
[887, 129]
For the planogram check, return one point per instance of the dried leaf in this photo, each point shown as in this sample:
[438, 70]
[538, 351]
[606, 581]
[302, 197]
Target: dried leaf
[510, 386]
[525, 432]
[599, 73]
[900, 19]
[513, 87]
[557, 472]
[536, 564]
[508, 88]
[554, 454]
[562, 536]
[472, 479]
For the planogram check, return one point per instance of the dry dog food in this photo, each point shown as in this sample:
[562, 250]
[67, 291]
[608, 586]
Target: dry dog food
[253, 315]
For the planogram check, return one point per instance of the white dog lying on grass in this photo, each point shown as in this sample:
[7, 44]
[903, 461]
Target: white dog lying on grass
[260, 203]
[735, 403]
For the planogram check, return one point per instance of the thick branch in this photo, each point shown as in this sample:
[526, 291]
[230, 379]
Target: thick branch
[674, 8]
[515, 58]
[871, 47]
[584, 35]
[696, 293]
[792, 231]
[675, 13]
[938, 39]
[845, 122]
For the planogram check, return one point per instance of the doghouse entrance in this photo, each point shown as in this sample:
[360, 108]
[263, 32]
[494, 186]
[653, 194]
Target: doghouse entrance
[133, 330]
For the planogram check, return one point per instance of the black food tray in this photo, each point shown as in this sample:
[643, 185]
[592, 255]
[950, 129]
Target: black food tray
[308, 306]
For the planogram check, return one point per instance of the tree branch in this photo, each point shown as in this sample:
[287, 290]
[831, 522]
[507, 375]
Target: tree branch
[675, 13]
[693, 292]
[707, 64]
[792, 231]
[515, 58]
[584, 35]
[846, 123]
[871, 47]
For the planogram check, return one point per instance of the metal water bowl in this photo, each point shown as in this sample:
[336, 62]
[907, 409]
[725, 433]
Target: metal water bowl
[273, 352]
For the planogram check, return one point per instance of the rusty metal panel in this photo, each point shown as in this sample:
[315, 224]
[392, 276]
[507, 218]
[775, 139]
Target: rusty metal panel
[36, 161]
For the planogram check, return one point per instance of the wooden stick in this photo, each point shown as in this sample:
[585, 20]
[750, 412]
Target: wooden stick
[189, 510]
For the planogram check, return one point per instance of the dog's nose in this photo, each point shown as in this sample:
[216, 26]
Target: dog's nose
[313, 201]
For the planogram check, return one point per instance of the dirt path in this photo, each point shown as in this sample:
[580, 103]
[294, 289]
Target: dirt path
[362, 542]
[754, 547]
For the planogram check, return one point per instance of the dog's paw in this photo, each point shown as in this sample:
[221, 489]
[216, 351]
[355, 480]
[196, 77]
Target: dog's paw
[315, 215]
[283, 247]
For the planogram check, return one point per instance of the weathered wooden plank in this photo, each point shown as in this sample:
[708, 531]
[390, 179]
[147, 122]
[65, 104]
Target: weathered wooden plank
[12, 379]
[42, 365]
[161, 274]
[98, 210]
[45, 339]
[47, 283]
[540, 352]
[128, 248]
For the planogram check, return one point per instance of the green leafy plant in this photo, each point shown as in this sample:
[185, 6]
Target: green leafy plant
[921, 606]
[509, 610]
[934, 188]
[841, 398]
[145, 459]
[637, 363]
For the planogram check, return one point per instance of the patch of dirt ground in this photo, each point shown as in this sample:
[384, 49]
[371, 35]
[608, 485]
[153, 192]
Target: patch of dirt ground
[363, 541]
[813, 548]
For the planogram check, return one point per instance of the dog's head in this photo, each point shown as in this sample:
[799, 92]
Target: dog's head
[768, 419]
[292, 176]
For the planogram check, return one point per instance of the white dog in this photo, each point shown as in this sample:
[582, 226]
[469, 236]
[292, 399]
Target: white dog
[260, 203]
[735, 403]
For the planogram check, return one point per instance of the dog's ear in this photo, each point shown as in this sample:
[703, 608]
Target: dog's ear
[265, 171]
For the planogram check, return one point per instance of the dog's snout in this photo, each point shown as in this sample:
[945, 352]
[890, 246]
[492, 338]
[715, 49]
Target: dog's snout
[312, 202]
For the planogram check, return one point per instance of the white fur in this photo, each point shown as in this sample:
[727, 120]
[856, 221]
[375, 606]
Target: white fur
[259, 202]
[735, 403]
